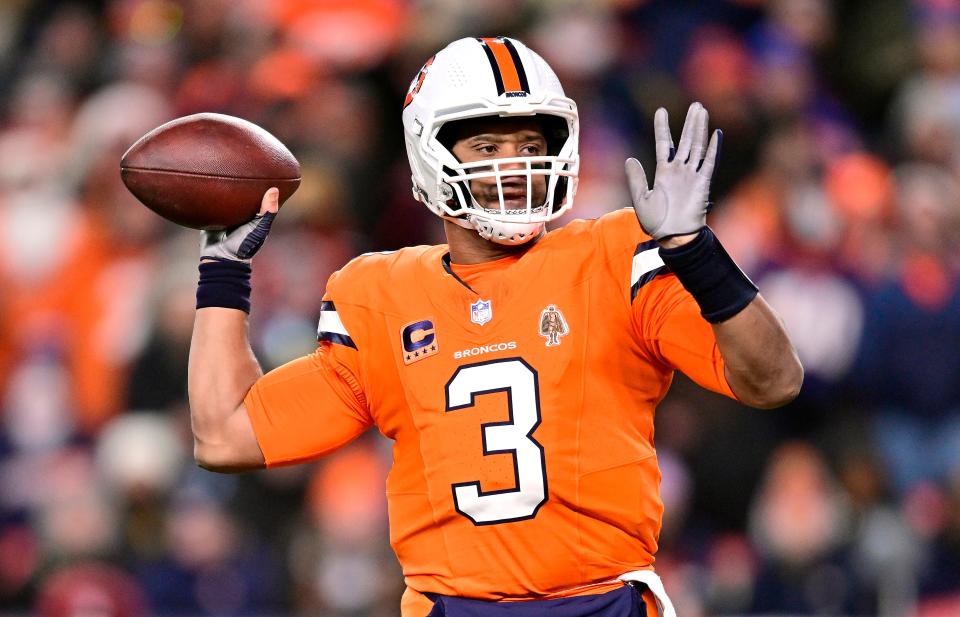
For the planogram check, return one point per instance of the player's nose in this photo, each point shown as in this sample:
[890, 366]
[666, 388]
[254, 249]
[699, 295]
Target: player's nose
[512, 166]
[511, 149]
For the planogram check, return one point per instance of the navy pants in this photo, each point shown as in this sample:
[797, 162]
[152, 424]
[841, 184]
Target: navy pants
[623, 602]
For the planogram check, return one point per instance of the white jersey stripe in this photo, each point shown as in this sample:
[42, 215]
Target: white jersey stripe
[644, 262]
[330, 322]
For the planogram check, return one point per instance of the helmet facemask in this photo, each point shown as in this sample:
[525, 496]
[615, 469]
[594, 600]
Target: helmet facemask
[507, 200]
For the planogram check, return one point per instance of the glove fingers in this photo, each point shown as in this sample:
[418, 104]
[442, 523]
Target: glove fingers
[689, 128]
[255, 239]
[712, 155]
[650, 206]
[700, 136]
[662, 137]
[636, 179]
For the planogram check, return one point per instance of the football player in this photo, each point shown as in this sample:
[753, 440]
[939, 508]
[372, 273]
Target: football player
[516, 370]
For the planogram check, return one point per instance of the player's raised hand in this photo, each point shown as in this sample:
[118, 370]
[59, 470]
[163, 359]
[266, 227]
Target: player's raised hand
[677, 203]
[241, 243]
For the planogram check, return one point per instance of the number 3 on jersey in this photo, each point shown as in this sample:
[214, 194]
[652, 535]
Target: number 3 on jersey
[515, 436]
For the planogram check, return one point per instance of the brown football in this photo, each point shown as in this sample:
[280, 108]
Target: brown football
[208, 171]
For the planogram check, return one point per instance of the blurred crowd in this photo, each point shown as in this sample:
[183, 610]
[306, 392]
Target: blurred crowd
[838, 191]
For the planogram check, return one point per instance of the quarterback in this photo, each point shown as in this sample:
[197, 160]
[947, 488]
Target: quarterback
[516, 370]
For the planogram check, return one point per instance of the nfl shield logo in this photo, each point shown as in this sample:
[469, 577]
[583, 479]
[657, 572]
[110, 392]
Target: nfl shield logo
[481, 312]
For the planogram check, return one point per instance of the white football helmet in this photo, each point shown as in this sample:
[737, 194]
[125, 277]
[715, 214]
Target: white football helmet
[477, 77]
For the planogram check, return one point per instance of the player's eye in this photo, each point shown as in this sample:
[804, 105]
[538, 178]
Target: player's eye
[531, 150]
[485, 149]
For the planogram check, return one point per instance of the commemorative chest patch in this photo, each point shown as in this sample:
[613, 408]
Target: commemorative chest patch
[553, 325]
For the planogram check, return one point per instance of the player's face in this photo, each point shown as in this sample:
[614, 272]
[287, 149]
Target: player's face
[496, 138]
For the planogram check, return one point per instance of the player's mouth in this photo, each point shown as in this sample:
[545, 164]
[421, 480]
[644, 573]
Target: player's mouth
[512, 200]
[515, 194]
[511, 186]
[514, 191]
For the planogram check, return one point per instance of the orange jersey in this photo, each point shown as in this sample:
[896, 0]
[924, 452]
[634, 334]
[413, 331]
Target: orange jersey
[520, 396]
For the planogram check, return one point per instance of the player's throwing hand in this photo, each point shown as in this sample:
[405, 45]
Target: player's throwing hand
[241, 243]
[225, 258]
[677, 204]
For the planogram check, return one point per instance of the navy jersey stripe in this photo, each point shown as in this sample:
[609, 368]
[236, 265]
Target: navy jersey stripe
[339, 339]
[645, 246]
[445, 260]
[646, 278]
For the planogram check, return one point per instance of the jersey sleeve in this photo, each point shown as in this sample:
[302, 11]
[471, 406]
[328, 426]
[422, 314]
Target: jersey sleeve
[667, 320]
[314, 404]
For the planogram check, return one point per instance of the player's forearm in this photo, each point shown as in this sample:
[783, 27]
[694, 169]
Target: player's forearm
[762, 366]
[222, 368]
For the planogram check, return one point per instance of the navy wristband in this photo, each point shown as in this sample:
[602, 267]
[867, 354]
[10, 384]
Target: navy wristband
[710, 275]
[224, 283]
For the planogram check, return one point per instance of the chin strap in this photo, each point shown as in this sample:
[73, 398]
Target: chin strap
[506, 233]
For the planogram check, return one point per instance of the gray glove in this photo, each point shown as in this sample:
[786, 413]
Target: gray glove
[678, 203]
[241, 243]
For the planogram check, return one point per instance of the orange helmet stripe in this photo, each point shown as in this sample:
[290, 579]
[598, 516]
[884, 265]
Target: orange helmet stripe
[507, 67]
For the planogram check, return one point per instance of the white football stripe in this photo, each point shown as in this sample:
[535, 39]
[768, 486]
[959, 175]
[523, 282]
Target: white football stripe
[643, 262]
[330, 322]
